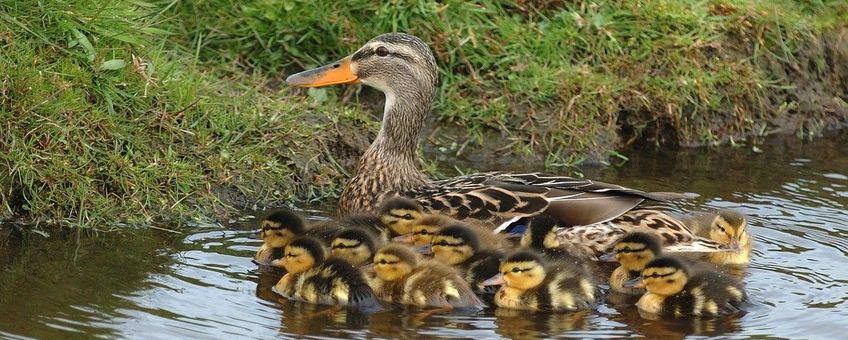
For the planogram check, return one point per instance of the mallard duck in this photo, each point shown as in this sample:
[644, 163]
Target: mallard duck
[311, 278]
[598, 239]
[531, 283]
[633, 252]
[404, 69]
[354, 245]
[460, 246]
[541, 236]
[402, 278]
[282, 225]
[674, 289]
[729, 228]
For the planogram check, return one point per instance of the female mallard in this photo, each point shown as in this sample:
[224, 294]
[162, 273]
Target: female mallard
[403, 67]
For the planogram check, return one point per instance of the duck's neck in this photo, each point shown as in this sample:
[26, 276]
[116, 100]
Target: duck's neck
[390, 165]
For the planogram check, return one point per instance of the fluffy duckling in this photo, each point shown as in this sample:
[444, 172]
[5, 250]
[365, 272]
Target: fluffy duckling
[354, 245]
[399, 214]
[313, 279]
[282, 225]
[674, 289]
[726, 227]
[427, 227]
[531, 283]
[459, 245]
[541, 236]
[633, 252]
[402, 279]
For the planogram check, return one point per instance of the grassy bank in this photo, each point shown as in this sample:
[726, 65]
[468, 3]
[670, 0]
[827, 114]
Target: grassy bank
[145, 111]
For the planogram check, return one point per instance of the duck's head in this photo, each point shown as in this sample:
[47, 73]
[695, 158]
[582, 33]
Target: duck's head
[429, 226]
[541, 233]
[730, 227]
[354, 245]
[635, 250]
[394, 261]
[522, 270]
[454, 244]
[397, 64]
[301, 254]
[664, 276]
[279, 227]
[399, 214]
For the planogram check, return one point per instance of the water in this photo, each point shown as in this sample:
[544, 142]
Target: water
[202, 285]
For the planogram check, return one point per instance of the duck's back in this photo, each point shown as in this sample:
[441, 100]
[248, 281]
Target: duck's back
[707, 293]
[435, 284]
[335, 282]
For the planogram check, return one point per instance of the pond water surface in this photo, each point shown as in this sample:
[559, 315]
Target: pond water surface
[203, 285]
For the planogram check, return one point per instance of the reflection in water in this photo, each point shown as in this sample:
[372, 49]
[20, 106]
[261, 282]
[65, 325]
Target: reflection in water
[204, 284]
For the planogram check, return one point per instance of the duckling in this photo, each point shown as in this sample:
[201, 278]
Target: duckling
[366, 221]
[354, 245]
[399, 214]
[674, 289]
[282, 225]
[313, 279]
[424, 230]
[531, 283]
[726, 227]
[541, 236]
[459, 245]
[402, 279]
[633, 252]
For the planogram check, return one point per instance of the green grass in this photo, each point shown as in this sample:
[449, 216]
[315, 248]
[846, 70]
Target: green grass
[146, 111]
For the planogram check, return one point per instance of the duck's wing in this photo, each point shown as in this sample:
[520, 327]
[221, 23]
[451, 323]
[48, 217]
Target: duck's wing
[499, 197]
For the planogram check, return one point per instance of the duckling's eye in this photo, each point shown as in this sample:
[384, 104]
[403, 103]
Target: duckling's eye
[669, 281]
[407, 217]
[382, 262]
[721, 228]
[382, 51]
[515, 269]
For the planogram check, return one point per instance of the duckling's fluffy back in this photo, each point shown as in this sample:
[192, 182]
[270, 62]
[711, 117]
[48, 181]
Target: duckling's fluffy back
[435, 284]
[334, 282]
[707, 293]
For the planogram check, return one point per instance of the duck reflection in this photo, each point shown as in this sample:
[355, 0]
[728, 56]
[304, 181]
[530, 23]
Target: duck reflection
[518, 324]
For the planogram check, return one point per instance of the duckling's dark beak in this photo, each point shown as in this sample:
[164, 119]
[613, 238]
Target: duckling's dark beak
[496, 280]
[634, 283]
[608, 257]
[367, 267]
[425, 249]
[256, 234]
[332, 74]
[735, 244]
[405, 239]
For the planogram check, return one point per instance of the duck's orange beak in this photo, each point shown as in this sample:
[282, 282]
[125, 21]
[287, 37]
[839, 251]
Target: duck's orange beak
[332, 74]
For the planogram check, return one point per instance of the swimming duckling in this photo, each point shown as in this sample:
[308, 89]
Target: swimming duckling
[459, 245]
[313, 279]
[399, 214]
[633, 252]
[726, 227]
[282, 225]
[674, 289]
[402, 279]
[354, 245]
[531, 283]
[427, 227]
[541, 236]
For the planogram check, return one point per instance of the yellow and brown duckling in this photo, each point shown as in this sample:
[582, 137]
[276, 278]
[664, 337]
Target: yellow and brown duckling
[281, 226]
[400, 214]
[633, 252]
[531, 283]
[726, 227]
[676, 290]
[354, 245]
[541, 236]
[460, 246]
[313, 279]
[402, 278]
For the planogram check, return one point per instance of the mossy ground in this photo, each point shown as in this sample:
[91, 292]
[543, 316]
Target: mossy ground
[145, 111]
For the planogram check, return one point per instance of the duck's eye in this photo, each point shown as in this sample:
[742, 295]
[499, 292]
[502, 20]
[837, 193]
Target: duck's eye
[407, 217]
[382, 51]
[515, 269]
[721, 228]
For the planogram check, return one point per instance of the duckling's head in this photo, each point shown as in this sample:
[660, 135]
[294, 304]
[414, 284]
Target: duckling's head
[541, 233]
[400, 213]
[730, 227]
[394, 261]
[354, 245]
[454, 244]
[302, 253]
[427, 227]
[394, 63]
[664, 276]
[280, 227]
[636, 249]
[523, 270]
